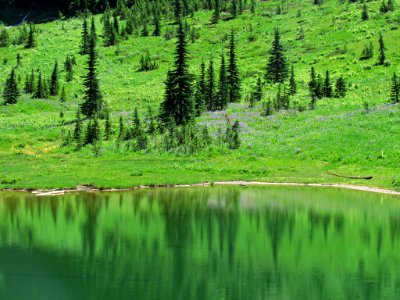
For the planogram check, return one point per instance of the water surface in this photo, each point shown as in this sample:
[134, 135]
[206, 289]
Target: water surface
[201, 243]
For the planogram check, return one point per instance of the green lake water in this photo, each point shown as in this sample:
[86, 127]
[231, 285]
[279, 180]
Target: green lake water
[201, 243]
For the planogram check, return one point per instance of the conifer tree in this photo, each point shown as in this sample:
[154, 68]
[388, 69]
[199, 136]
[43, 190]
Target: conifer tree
[381, 57]
[217, 11]
[30, 83]
[151, 122]
[202, 81]
[210, 97]
[233, 77]
[78, 130]
[93, 101]
[107, 126]
[93, 33]
[327, 87]
[54, 86]
[364, 13]
[223, 90]
[253, 5]
[312, 84]
[178, 105]
[157, 25]
[40, 91]
[200, 105]
[390, 5]
[292, 83]
[145, 31]
[234, 8]
[383, 8]
[116, 23]
[93, 134]
[11, 91]
[121, 129]
[31, 42]
[69, 69]
[178, 10]
[340, 88]
[85, 38]
[395, 90]
[276, 67]
[63, 96]
[368, 52]
[258, 93]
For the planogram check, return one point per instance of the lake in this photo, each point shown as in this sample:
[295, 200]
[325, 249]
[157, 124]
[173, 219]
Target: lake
[201, 243]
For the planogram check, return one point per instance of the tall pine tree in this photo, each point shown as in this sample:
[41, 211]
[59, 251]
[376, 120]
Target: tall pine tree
[178, 105]
[381, 56]
[277, 70]
[11, 91]
[223, 91]
[210, 95]
[233, 77]
[93, 100]
[54, 85]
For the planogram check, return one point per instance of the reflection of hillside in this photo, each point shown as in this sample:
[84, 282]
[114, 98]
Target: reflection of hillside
[232, 243]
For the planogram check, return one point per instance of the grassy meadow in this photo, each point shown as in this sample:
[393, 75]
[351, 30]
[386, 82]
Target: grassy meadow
[340, 135]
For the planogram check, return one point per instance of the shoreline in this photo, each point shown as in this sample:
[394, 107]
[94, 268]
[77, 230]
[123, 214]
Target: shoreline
[59, 192]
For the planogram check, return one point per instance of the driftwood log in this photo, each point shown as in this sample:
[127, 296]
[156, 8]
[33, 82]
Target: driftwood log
[351, 177]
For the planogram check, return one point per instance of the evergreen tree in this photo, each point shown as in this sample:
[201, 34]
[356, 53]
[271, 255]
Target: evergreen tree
[145, 31]
[395, 90]
[210, 96]
[178, 105]
[383, 8]
[258, 93]
[85, 38]
[253, 5]
[217, 11]
[150, 121]
[116, 23]
[390, 5]
[69, 69]
[223, 91]
[313, 84]
[364, 13]
[31, 42]
[54, 86]
[93, 33]
[93, 101]
[340, 89]
[63, 96]
[368, 52]
[327, 87]
[30, 83]
[40, 91]
[107, 127]
[234, 9]
[11, 91]
[178, 10]
[121, 129]
[157, 25]
[200, 105]
[93, 134]
[233, 77]
[292, 83]
[381, 57]
[78, 130]
[232, 136]
[276, 67]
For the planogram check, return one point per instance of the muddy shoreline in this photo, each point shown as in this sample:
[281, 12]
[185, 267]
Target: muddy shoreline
[57, 192]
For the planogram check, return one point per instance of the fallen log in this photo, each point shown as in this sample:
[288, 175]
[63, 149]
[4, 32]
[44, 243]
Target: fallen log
[351, 177]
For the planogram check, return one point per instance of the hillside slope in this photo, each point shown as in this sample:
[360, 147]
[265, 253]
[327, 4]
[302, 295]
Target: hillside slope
[340, 135]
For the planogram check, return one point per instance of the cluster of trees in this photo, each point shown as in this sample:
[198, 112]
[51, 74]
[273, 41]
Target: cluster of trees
[27, 37]
[320, 88]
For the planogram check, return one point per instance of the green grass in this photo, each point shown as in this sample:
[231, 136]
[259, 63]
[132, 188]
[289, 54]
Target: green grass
[289, 146]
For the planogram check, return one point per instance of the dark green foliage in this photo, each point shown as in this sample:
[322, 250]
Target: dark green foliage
[179, 103]
[93, 100]
[368, 52]
[145, 30]
[4, 38]
[69, 68]
[327, 87]
[217, 11]
[340, 89]
[223, 90]
[253, 6]
[11, 91]
[31, 42]
[41, 90]
[232, 135]
[381, 56]
[312, 84]
[78, 130]
[210, 89]
[233, 72]
[390, 5]
[200, 104]
[178, 10]
[151, 126]
[121, 129]
[30, 83]
[267, 108]
[313, 101]
[107, 126]
[276, 67]
[54, 85]
[234, 9]
[116, 23]
[147, 63]
[364, 13]
[85, 38]
[395, 89]
[292, 83]
[63, 96]
[157, 25]
[109, 33]
[92, 135]
[383, 8]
